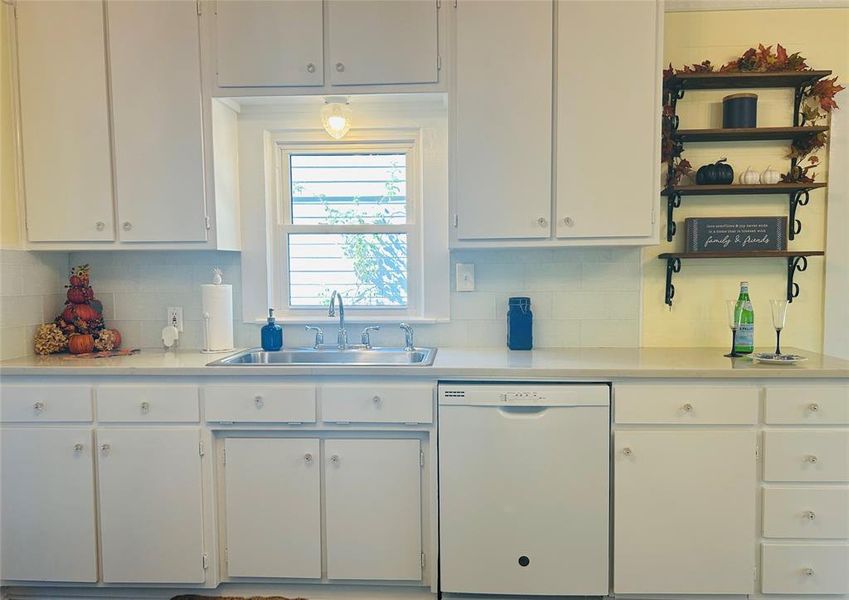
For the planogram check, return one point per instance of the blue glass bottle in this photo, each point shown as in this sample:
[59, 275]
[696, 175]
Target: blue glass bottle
[272, 334]
[520, 324]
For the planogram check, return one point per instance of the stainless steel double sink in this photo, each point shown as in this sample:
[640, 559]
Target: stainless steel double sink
[419, 357]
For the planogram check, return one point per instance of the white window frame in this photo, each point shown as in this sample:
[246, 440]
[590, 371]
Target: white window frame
[376, 142]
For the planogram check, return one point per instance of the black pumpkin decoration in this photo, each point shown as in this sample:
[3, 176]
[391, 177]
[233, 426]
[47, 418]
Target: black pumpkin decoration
[718, 173]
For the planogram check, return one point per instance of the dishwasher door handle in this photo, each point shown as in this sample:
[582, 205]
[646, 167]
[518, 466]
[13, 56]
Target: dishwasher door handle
[523, 410]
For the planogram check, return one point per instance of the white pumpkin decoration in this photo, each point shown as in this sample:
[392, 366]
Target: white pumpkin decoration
[770, 176]
[749, 177]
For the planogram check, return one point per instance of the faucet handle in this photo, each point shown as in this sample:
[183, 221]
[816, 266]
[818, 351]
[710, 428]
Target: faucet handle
[364, 338]
[319, 335]
[408, 336]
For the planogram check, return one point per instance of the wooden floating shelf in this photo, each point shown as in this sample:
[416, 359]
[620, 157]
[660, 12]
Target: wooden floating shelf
[746, 134]
[741, 189]
[796, 261]
[718, 81]
[758, 254]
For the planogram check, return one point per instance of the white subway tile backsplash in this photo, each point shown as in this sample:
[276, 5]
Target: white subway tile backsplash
[579, 297]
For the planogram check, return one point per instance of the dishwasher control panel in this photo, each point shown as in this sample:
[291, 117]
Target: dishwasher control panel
[525, 394]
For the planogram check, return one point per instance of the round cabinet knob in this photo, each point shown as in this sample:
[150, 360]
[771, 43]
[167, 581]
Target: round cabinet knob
[78, 447]
[808, 572]
[568, 221]
[145, 407]
[627, 451]
[811, 458]
[334, 459]
[688, 408]
[542, 221]
[100, 225]
[810, 515]
[258, 401]
[308, 458]
[377, 400]
[310, 68]
[813, 407]
[38, 407]
[126, 226]
[105, 448]
[340, 67]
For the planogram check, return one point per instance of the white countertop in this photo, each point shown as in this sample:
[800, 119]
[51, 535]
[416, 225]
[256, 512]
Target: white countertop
[463, 363]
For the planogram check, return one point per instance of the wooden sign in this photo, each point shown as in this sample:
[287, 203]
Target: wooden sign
[735, 234]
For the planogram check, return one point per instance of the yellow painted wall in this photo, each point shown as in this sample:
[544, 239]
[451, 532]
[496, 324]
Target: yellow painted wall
[8, 198]
[697, 317]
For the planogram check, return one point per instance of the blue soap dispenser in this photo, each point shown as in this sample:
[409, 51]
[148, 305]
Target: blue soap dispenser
[272, 334]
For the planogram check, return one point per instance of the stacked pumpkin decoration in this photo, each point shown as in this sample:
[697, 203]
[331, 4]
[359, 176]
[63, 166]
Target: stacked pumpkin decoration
[81, 321]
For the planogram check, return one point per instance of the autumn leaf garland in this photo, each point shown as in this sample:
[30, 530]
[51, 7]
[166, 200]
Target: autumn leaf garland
[818, 103]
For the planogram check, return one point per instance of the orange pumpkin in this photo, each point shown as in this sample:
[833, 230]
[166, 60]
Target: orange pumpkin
[86, 312]
[80, 343]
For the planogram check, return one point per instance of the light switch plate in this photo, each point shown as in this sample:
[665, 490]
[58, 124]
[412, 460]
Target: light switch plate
[465, 277]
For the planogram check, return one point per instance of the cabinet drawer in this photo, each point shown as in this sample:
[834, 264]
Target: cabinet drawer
[806, 455]
[805, 569]
[34, 403]
[809, 404]
[817, 513]
[686, 404]
[292, 403]
[160, 403]
[365, 403]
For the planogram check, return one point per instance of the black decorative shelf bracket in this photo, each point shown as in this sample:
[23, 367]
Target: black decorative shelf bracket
[797, 198]
[673, 201]
[673, 265]
[794, 263]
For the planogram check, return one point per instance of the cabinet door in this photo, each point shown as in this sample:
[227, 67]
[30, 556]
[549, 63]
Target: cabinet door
[65, 121]
[47, 522]
[273, 507]
[373, 505]
[156, 111]
[598, 198]
[263, 43]
[684, 512]
[383, 41]
[151, 505]
[502, 119]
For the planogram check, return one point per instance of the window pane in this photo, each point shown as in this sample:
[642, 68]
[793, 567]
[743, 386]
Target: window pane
[337, 189]
[368, 269]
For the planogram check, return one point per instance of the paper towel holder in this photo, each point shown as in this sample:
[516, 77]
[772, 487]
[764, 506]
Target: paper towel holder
[206, 349]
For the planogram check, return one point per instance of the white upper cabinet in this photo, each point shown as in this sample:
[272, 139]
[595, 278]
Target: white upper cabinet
[383, 41]
[607, 135]
[48, 529]
[65, 121]
[268, 44]
[158, 131]
[502, 120]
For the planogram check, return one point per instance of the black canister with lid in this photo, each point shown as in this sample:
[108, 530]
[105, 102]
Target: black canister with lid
[520, 323]
[740, 110]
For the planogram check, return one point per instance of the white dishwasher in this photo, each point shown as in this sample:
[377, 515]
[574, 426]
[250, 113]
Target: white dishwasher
[524, 488]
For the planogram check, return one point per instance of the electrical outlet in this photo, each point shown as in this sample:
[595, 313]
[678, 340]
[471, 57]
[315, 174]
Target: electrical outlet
[175, 317]
[465, 277]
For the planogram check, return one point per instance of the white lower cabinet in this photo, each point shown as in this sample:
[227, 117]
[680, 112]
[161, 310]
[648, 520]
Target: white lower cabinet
[373, 508]
[684, 511]
[273, 507]
[151, 505]
[47, 508]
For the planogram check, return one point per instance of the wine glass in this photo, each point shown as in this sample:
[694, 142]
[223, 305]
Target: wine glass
[779, 317]
[734, 312]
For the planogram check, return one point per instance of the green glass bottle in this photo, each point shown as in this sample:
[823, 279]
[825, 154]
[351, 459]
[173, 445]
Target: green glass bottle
[745, 340]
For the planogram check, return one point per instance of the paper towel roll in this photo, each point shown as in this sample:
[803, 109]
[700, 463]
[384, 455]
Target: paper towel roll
[217, 301]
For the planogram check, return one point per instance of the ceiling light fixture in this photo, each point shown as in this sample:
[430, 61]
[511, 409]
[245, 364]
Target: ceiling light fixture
[336, 116]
